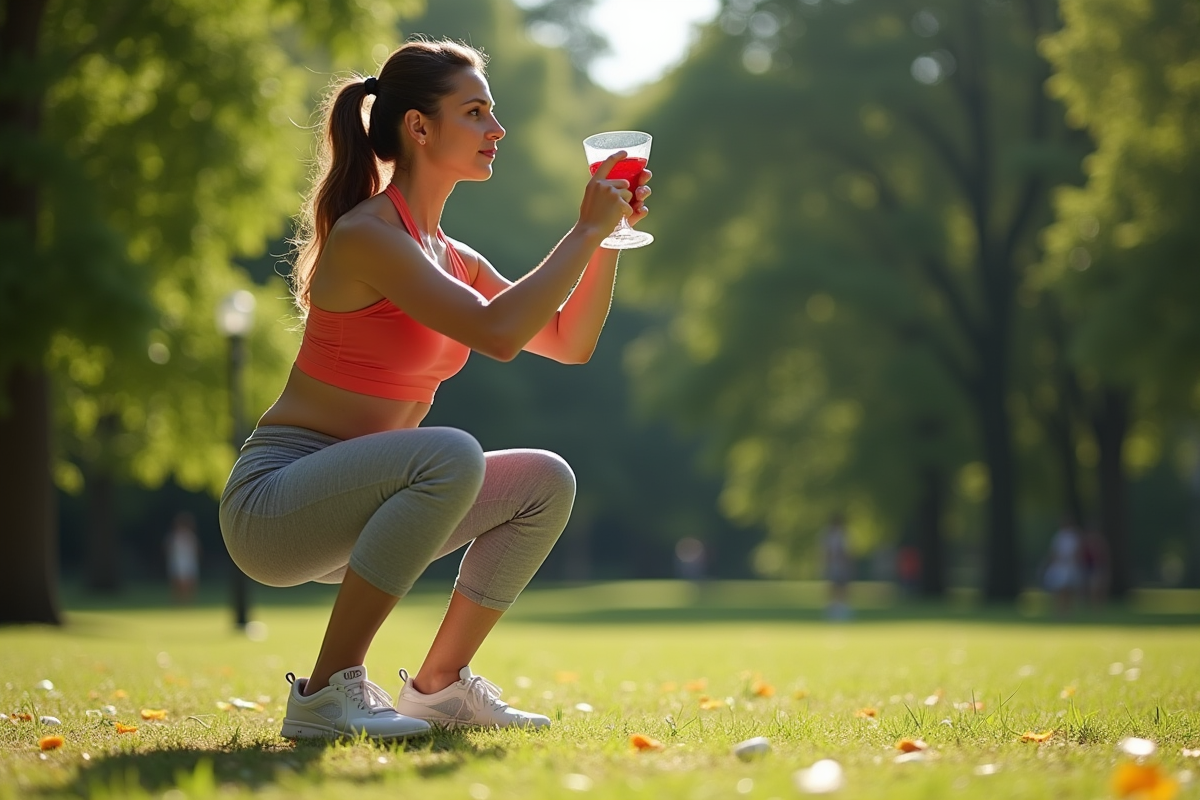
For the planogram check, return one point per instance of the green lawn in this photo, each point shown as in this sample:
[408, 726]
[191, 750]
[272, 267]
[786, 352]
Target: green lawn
[629, 651]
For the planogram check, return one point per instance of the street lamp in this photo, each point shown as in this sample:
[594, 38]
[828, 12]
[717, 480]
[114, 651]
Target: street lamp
[235, 318]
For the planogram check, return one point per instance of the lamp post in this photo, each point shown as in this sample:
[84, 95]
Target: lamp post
[235, 318]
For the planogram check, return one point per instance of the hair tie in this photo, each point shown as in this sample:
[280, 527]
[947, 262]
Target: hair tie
[371, 85]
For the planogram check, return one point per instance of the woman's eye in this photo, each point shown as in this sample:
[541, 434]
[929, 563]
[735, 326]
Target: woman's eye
[474, 111]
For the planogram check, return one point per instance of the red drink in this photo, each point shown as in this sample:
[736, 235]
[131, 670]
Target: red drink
[628, 169]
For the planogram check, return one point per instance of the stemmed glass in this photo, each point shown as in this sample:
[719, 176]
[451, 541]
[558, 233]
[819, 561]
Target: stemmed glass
[636, 145]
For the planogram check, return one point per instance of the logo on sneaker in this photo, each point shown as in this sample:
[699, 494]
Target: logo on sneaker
[352, 674]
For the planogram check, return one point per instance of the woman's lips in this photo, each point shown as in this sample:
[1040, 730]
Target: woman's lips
[488, 153]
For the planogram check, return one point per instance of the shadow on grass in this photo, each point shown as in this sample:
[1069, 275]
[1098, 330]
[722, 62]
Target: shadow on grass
[201, 771]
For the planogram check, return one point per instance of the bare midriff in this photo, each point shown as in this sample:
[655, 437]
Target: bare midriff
[309, 403]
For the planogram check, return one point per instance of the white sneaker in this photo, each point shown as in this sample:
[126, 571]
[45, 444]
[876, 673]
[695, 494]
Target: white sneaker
[348, 706]
[471, 700]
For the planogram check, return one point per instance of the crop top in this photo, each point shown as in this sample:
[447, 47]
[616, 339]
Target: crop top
[379, 350]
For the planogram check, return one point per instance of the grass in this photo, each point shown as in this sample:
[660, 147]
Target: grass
[629, 650]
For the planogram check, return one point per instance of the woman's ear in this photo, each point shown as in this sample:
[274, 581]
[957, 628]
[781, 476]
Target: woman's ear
[415, 126]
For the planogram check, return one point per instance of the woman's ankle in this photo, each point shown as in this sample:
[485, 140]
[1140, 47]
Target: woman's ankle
[433, 681]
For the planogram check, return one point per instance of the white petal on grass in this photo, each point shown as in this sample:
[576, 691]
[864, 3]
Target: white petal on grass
[752, 748]
[586, 708]
[745, 786]
[1186, 753]
[1134, 746]
[907, 758]
[1132, 674]
[987, 769]
[523, 682]
[1135, 655]
[50, 720]
[823, 777]
[93, 713]
[110, 710]
[577, 782]
[44, 685]
[932, 700]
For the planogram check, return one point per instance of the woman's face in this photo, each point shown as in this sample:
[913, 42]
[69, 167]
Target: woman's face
[463, 138]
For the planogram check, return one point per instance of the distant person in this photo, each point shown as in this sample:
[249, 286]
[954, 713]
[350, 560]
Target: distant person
[690, 559]
[908, 569]
[183, 557]
[1064, 572]
[339, 483]
[837, 567]
[1097, 569]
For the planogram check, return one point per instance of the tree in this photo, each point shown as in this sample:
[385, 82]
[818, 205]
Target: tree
[1122, 253]
[867, 139]
[146, 146]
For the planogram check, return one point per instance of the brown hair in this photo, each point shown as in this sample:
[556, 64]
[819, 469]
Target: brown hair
[416, 76]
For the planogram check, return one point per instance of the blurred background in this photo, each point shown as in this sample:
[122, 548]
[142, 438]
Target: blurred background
[922, 299]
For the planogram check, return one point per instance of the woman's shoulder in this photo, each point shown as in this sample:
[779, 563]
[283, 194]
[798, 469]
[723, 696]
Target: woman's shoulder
[365, 231]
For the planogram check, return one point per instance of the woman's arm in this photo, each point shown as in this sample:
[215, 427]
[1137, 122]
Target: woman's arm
[571, 334]
[391, 262]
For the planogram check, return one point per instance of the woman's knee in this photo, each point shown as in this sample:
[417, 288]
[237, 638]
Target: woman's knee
[460, 453]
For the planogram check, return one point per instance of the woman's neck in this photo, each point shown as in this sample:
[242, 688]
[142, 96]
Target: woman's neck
[426, 197]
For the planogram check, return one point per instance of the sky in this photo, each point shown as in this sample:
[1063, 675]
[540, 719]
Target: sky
[648, 37]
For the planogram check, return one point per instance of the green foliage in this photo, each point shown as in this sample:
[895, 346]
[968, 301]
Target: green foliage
[845, 194]
[178, 129]
[1123, 251]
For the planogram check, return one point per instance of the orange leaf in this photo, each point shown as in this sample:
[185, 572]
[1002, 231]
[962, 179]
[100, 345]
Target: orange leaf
[120, 694]
[639, 741]
[762, 689]
[697, 685]
[911, 745]
[123, 728]
[710, 703]
[50, 742]
[154, 713]
[1068, 691]
[800, 694]
[1030, 736]
[21, 716]
[864, 713]
[1146, 782]
[669, 686]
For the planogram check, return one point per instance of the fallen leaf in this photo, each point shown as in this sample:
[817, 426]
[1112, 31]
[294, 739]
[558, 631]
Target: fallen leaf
[154, 713]
[120, 694]
[21, 716]
[50, 743]
[1144, 782]
[761, 688]
[1030, 736]
[911, 745]
[864, 713]
[696, 685]
[123, 728]
[710, 703]
[639, 741]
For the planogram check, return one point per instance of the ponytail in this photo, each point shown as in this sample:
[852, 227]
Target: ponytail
[416, 76]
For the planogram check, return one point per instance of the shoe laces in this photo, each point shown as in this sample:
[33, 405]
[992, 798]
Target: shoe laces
[483, 692]
[370, 697]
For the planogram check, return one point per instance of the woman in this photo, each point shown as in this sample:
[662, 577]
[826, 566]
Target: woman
[338, 484]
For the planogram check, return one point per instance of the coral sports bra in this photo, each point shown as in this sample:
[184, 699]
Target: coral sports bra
[379, 350]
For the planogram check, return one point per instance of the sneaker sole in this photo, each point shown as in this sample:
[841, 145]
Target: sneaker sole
[307, 730]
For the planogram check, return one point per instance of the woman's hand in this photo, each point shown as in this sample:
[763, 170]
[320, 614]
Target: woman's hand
[640, 193]
[605, 201]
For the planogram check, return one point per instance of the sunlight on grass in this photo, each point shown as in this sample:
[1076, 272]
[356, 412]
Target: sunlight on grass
[964, 707]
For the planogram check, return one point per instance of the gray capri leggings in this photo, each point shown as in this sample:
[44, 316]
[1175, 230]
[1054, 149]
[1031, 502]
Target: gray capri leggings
[302, 506]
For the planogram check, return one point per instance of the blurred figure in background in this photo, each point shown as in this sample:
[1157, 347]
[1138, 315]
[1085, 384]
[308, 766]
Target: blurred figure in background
[908, 569]
[1096, 567]
[1064, 573]
[183, 558]
[835, 556]
[690, 559]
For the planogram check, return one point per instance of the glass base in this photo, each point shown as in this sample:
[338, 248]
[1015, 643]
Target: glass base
[626, 239]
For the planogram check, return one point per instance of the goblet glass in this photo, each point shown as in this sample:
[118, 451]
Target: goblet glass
[600, 146]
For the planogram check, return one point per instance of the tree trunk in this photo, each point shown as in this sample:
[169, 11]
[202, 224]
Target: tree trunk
[930, 542]
[29, 591]
[1112, 426]
[1002, 559]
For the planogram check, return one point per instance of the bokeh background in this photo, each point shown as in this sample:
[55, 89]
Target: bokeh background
[927, 264]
